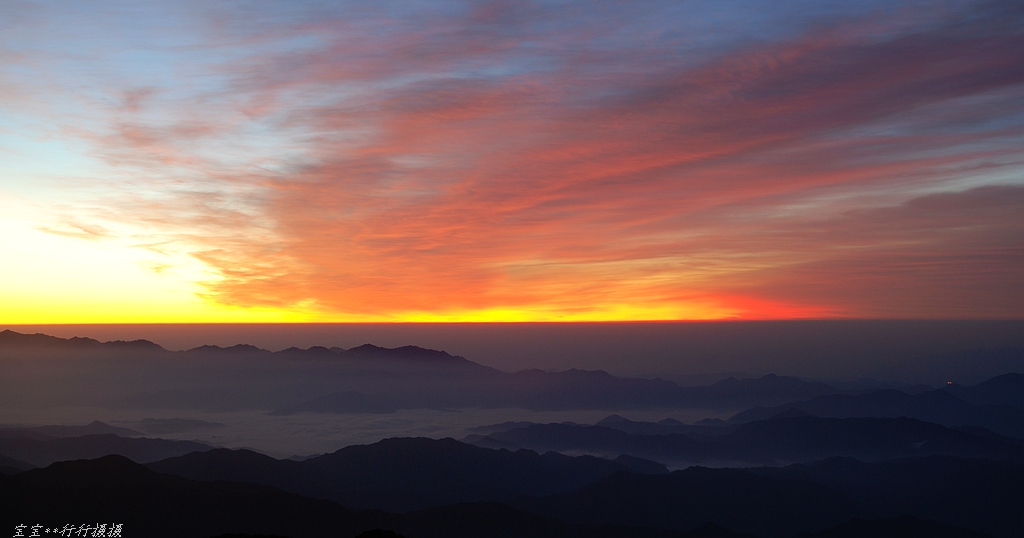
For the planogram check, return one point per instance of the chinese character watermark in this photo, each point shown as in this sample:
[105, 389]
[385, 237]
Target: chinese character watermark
[85, 530]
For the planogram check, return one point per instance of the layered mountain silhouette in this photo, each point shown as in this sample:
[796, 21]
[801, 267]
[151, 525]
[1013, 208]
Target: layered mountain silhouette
[759, 505]
[15, 341]
[40, 450]
[11, 340]
[939, 406]
[9, 465]
[972, 365]
[572, 389]
[623, 424]
[52, 431]
[779, 440]
[696, 502]
[797, 459]
[981, 494]
[367, 378]
[406, 474]
[114, 489]
[1006, 389]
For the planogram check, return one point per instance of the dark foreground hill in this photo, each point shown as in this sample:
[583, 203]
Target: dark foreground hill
[685, 499]
[114, 490]
[897, 527]
[406, 474]
[696, 503]
[981, 494]
[942, 496]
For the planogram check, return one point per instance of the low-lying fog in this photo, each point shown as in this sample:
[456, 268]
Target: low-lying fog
[310, 401]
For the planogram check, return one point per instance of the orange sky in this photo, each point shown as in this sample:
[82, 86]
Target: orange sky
[511, 162]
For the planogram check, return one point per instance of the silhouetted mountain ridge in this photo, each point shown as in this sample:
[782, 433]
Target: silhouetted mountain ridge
[938, 406]
[405, 474]
[155, 505]
[12, 339]
[113, 489]
[979, 494]
[683, 500]
[1006, 389]
[971, 365]
[827, 498]
[414, 353]
[235, 349]
[764, 442]
[354, 380]
[693, 503]
[54, 431]
[15, 340]
[44, 451]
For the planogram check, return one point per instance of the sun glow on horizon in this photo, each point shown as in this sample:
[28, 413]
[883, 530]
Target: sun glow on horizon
[531, 163]
[75, 275]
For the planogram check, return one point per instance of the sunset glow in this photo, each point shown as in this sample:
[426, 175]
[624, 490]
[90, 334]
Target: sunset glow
[510, 161]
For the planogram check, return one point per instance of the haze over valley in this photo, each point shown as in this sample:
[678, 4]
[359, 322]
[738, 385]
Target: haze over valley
[411, 431]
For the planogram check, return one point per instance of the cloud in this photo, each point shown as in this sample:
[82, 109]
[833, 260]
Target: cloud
[949, 255]
[77, 230]
[507, 156]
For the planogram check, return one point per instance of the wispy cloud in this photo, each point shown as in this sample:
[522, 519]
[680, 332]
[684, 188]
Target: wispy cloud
[569, 160]
[80, 231]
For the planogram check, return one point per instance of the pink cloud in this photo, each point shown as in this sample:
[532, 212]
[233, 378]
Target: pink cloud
[786, 178]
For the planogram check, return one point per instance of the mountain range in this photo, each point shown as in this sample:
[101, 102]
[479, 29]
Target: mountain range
[824, 500]
[40, 450]
[1001, 411]
[142, 375]
[367, 378]
[795, 459]
[408, 473]
[779, 440]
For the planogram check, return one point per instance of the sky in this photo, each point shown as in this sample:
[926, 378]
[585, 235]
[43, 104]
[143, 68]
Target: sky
[439, 161]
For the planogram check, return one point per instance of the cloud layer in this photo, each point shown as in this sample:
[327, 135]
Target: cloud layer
[509, 160]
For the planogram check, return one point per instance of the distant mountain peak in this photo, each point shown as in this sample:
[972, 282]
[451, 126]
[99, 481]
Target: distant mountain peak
[367, 347]
[14, 338]
[374, 353]
[312, 352]
[134, 344]
[404, 353]
[237, 348]
[11, 338]
[76, 339]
